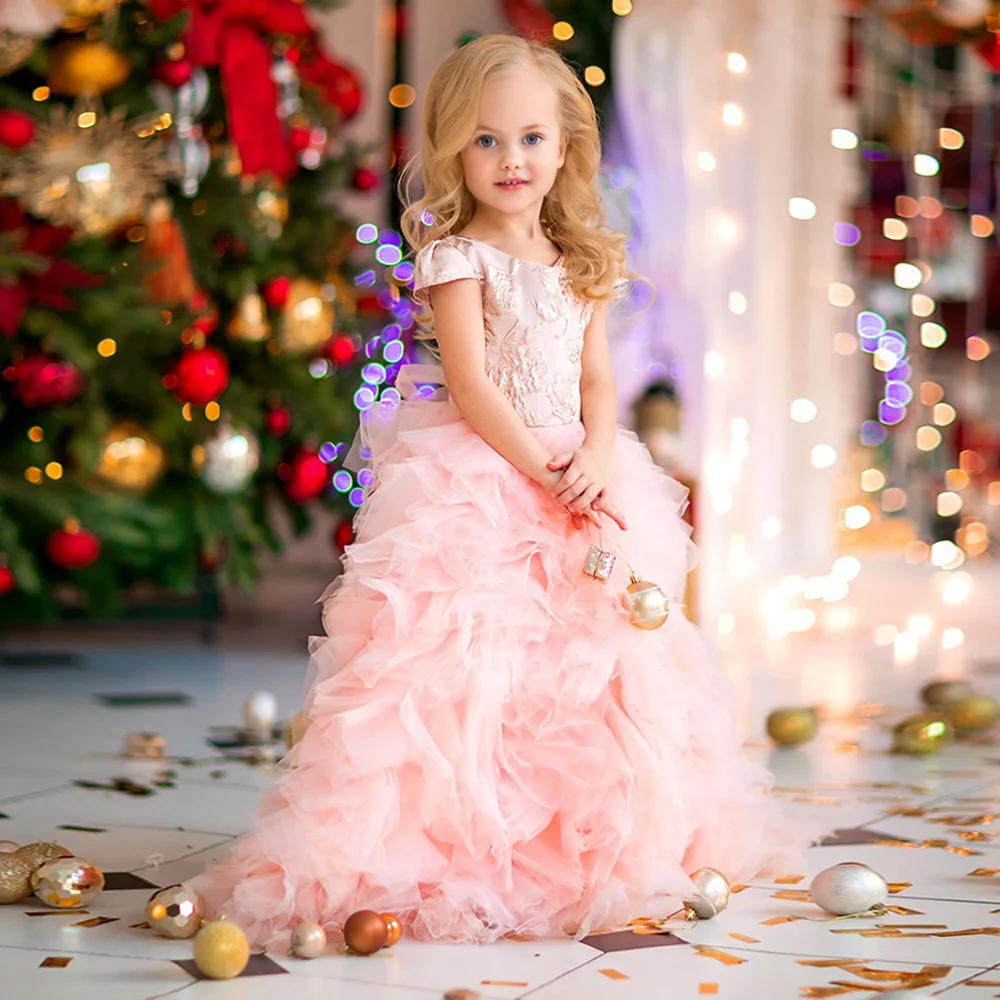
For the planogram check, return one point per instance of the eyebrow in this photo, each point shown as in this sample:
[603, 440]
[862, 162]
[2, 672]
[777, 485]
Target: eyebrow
[526, 128]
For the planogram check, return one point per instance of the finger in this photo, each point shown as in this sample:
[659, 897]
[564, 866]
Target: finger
[570, 487]
[586, 498]
[611, 510]
[560, 461]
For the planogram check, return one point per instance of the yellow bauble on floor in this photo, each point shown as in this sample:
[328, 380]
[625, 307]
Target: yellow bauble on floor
[221, 950]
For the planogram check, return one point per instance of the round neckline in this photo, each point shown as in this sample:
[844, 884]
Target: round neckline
[503, 253]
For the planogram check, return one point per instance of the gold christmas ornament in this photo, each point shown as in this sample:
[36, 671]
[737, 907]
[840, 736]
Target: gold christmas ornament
[15, 878]
[645, 604]
[365, 932]
[712, 893]
[308, 317]
[81, 13]
[790, 727]
[221, 950]
[15, 50]
[972, 714]
[67, 883]
[249, 321]
[175, 912]
[308, 940]
[131, 458]
[938, 693]
[269, 207]
[37, 854]
[88, 170]
[393, 927]
[923, 733]
[848, 888]
[84, 68]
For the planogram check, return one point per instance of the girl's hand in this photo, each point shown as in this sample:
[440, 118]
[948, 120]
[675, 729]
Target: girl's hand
[584, 478]
[605, 505]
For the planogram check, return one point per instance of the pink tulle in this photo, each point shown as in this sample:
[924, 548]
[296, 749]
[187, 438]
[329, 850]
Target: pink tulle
[492, 748]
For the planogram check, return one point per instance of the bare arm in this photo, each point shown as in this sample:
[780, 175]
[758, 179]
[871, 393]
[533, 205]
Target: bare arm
[597, 388]
[461, 338]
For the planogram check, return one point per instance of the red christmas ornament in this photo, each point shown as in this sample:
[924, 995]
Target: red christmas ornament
[300, 139]
[365, 179]
[343, 535]
[278, 421]
[530, 18]
[202, 375]
[307, 476]
[6, 581]
[16, 129]
[44, 381]
[340, 86]
[989, 52]
[206, 313]
[174, 72]
[369, 305]
[276, 292]
[73, 547]
[342, 350]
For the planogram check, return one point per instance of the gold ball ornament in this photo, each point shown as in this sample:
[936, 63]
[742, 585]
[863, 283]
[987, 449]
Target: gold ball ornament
[221, 950]
[937, 694]
[645, 604]
[131, 458]
[393, 927]
[175, 912]
[790, 727]
[365, 932]
[308, 940]
[67, 883]
[923, 733]
[712, 893]
[849, 887]
[973, 714]
[463, 994]
[15, 878]
[37, 854]
[249, 321]
[81, 67]
[307, 322]
[80, 13]
[15, 50]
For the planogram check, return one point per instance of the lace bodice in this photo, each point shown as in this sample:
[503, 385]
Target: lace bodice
[534, 324]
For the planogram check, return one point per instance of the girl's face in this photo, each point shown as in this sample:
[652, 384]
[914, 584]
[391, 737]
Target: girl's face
[517, 148]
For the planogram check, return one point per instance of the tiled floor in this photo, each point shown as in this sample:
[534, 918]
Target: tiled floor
[56, 732]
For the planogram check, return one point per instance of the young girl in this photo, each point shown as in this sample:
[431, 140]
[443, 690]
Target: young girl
[493, 749]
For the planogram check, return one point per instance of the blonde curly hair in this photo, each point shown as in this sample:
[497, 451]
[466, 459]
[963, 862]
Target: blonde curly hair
[572, 213]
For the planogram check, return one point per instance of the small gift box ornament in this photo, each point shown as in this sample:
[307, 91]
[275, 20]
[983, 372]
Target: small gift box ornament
[599, 563]
[644, 603]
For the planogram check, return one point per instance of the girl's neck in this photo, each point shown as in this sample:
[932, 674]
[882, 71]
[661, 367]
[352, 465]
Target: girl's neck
[509, 230]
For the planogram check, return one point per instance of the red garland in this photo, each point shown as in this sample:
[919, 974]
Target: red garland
[235, 36]
[45, 283]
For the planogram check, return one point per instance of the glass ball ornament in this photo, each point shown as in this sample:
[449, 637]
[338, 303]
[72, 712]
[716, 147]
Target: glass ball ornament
[923, 733]
[221, 950]
[37, 854]
[645, 604]
[67, 883]
[847, 888]
[975, 713]
[228, 459]
[175, 912]
[712, 893]
[308, 940]
[365, 932]
[790, 727]
[393, 927]
[307, 321]
[15, 878]
[937, 694]
[131, 458]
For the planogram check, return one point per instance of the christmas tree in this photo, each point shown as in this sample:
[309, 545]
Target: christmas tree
[184, 325]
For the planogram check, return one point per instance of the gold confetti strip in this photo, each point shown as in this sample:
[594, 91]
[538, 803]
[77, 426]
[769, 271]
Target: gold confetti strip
[971, 932]
[55, 963]
[818, 800]
[739, 887]
[56, 913]
[908, 811]
[745, 938]
[984, 872]
[96, 921]
[500, 982]
[846, 746]
[899, 843]
[793, 895]
[895, 887]
[141, 927]
[789, 788]
[982, 982]
[965, 852]
[720, 956]
[789, 880]
[708, 989]
[975, 835]
[824, 991]
[830, 963]
[904, 911]
[610, 973]
[774, 921]
[914, 927]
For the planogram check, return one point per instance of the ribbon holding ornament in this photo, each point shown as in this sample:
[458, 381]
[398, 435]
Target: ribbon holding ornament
[235, 35]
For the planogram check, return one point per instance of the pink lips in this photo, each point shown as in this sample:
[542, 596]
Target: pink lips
[512, 185]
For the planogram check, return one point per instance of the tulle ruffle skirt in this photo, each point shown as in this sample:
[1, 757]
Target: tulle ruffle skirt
[492, 748]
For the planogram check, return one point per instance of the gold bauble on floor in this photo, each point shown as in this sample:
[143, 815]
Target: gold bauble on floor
[923, 733]
[974, 713]
[308, 940]
[712, 893]
[67, 883]
[221, 950]
[790, 727]
[393, 927]
[38, 853]
[365, 932]
[175, 912]
[15, 878]
[937, 694]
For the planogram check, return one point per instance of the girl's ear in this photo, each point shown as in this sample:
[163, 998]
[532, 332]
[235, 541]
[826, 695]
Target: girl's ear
[562, 149]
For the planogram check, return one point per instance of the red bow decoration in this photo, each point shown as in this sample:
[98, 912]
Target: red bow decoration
[234, 35]
[40, 276]
[530, 18]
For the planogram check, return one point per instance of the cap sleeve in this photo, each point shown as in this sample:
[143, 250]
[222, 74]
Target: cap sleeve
[437, 264]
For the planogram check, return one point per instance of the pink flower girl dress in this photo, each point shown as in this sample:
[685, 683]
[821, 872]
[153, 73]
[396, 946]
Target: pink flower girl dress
[492, 748]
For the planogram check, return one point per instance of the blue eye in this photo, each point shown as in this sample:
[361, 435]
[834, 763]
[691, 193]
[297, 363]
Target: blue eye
[485, 141]
[534, 139]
